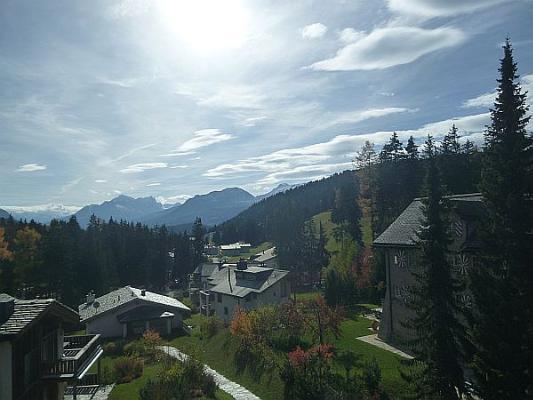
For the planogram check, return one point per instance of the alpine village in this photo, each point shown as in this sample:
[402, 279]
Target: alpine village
[407, 276]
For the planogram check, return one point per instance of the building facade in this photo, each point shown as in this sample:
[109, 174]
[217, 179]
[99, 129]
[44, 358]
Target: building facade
[129, 311]
[37, 360]
[242, 285]
[398, 244]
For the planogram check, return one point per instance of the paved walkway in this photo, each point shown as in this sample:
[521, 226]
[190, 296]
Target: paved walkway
[102, 393]
[234, 389]
[375, 341]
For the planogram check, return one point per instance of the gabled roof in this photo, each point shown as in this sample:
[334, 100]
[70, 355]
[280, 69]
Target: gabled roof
[206, 269]
[233, 286]
[403, 231]
[127, 294]
[28, 312]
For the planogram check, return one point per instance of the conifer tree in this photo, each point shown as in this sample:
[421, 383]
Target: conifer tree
[436, 370]
[450, 143]
[392, 150]
[411, 149]
[502, 281]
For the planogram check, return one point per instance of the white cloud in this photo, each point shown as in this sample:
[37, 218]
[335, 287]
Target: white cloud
[135, 168]
[362, 115]
[314, 31]
[153, 184]
[178, 154]
[31, 168]
[387, 47]
[439, 8]
[252, 121]
[203, 138]
[224, 95]
[321, 159]
[486, 100]
[100, 181]
[350, 35]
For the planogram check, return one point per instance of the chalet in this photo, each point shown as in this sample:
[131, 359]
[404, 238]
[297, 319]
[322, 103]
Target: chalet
[130, 311]
[37, 360]
[234, 249]
[239, 285]
[401, 251]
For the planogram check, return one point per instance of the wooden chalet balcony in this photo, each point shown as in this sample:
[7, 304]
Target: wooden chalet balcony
[79, 353]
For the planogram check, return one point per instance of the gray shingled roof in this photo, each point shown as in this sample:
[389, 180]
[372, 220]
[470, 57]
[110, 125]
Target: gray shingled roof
[206, 269]
[27, 312]
[403, 231]
[119, 297]
[243, 287]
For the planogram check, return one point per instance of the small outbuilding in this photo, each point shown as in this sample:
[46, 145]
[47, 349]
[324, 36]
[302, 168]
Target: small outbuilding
[129, 311]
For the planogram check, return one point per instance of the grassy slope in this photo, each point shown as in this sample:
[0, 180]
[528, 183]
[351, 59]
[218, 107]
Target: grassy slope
[218, 353]
[332, 246]
[130, 391]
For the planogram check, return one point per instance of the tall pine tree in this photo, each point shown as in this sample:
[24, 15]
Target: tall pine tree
[502, 282]
[436, 371]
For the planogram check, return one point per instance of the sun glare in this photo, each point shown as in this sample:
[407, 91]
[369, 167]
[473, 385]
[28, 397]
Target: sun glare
[207, 25]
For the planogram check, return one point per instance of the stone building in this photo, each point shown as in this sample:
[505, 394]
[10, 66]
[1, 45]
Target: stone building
[402, 258]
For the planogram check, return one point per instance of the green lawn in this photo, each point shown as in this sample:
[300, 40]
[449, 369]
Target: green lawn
[218, 353]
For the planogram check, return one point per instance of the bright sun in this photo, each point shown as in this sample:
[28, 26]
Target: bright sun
[207, 25]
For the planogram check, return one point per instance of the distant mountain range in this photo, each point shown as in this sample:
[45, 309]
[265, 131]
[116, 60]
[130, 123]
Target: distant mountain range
[213, 208]
[42, 213]
[120, 208]
[4, 214]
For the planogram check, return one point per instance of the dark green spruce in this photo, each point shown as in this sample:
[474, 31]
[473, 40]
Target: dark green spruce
[436, 371]
[502, 281]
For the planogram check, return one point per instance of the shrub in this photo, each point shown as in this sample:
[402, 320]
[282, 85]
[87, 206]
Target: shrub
[127, 369]
[113, 348]
[209, 327]
[135, 349]
[372, 376]
[107, 377]
[151, 340]
[209, 386]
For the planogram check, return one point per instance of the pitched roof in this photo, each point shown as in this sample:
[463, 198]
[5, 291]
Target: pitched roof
[119, 297]
[234, 286]
[403, 231]
[205, 269]
[27, 312]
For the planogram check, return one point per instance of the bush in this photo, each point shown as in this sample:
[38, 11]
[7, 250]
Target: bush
[127, 369]
[107, 377]
[209, 386]
[372, 376]
[113, 348]
[209, 327]
[136, 348]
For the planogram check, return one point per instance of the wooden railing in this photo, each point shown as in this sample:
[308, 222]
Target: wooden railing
[78, 351]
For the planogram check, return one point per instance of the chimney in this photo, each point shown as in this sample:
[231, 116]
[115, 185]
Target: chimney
[143, 292]
[242, 265]
[90, 297]
[7, 307]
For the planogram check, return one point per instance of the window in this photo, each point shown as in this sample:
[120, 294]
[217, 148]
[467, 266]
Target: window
[400, 259]
[219, 297]
[225, 310]
[274, 293]
[254, 296]
[247, 298]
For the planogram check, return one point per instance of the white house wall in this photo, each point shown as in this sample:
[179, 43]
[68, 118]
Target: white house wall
[108, 325]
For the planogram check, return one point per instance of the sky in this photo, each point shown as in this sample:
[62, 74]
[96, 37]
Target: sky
[172, 98]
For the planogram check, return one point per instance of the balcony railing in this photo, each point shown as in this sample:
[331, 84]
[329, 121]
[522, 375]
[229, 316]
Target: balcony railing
[79, 352]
